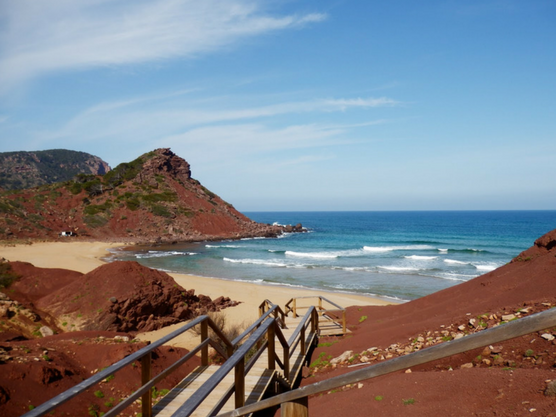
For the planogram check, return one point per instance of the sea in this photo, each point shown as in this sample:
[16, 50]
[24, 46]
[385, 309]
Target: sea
[396, 255]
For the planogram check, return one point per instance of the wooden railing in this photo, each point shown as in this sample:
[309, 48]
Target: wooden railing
[147, 381]
[269, 307]
[261, 335]
[295, 403]
[237, 363]
[293, 306]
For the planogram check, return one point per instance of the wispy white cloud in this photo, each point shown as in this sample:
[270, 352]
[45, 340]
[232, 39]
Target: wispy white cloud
[145, 118]
[41, 37]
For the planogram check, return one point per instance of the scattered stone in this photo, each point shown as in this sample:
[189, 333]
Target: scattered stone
[360, 385]
[342, 358]
[472, 322]
[508, 317]
[408, 371]
[461, 328]
[467, 365]
[113, 300]
[486, 351]
[548, 336]
[498, 360]
[46, 331]
[550, 390]
[496, 349]
[122, 338]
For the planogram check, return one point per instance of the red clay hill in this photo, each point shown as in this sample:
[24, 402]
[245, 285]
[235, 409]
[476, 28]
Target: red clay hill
[153, 198]
[119, 296]
[57, 327]
[510, 379]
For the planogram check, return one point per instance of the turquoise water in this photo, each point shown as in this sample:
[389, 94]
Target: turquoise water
[403, 255]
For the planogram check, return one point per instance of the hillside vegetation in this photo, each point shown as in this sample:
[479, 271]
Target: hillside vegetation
[21, 170]
[150, 198]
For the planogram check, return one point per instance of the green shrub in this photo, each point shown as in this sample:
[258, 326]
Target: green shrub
[75, 188]
[159, 210]
[133, 203]
[95, 221]
[7, 276]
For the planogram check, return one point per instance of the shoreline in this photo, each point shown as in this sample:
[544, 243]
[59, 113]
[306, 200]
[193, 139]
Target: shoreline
[86, 256]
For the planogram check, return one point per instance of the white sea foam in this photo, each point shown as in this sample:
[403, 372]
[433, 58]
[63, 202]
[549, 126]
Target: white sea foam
[421, 258]
[262, 262]
[485, 267]
[442, 250]
[398, 268]
[454, 262]
[452, 277]
[224, 246]
[158, 254]
[392, 248]
[316, 255]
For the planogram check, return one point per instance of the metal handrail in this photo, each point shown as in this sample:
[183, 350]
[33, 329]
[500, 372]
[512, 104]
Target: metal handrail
[510, 330]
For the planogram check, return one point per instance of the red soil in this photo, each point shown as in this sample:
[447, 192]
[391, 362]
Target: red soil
[514, 387]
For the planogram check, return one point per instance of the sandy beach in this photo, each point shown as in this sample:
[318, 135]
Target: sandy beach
[86, 256]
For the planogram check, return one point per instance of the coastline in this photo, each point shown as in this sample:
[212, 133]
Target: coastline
[86, 256]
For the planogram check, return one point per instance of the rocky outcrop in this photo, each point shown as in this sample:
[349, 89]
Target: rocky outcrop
[119, 296]
[168, 163]
[151, 199]
[543, 245]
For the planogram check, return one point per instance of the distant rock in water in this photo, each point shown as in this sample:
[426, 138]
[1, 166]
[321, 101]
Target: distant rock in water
[21, 170]
[150, 199]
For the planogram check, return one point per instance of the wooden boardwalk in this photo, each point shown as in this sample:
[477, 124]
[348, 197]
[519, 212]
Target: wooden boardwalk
[258, 380]
[266, 359]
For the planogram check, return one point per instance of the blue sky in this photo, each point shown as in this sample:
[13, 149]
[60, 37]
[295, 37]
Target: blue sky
[293, 104]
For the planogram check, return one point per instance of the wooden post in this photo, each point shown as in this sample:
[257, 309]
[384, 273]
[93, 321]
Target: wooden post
[320, 303]
[204, 336]
[240, 383]
[296, 408]
[146, 399]
[287, 361]
[315, 321]
[271, 346]
[294, 308]
[344, 321]
[302, 340]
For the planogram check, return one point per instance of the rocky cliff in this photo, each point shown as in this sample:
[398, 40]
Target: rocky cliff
[153, 198]
[20, 170]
